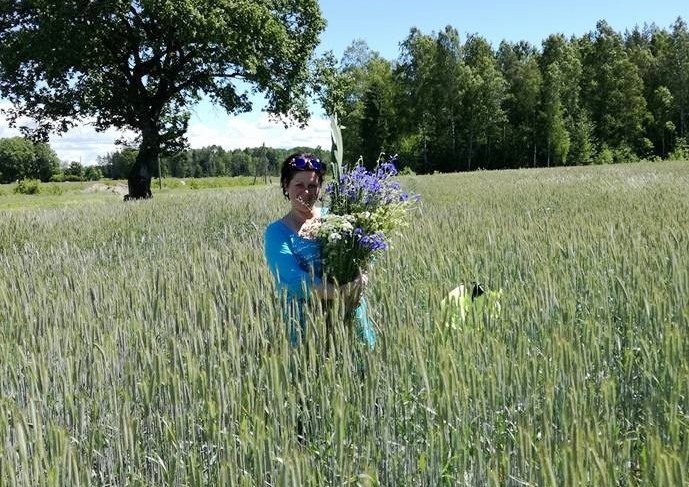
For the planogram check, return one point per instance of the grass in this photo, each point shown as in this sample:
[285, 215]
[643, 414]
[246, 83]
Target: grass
[109, 191]
[141, 345]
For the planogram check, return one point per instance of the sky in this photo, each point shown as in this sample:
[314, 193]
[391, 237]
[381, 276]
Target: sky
[383, 24]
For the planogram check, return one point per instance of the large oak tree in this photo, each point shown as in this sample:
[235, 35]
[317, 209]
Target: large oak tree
[140, 65]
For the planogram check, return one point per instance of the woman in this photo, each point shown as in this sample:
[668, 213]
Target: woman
[294, 261]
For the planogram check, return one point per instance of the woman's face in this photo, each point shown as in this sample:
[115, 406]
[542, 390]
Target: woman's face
[304, 189]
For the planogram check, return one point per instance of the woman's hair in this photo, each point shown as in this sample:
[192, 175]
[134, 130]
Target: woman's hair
[298, 162]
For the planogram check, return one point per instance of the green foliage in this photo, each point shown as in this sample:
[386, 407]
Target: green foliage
[605, 156]
[118, 165]
[20, 158]
[53, 189]
[74, 171]
[612, 90]
[624, 153]
[16, 156]
[28, 186]
[92, 173]
[680, 151]
[61, 61]
[459, 105]
[375, 131]
[519, 66]
[206, 162]
[582, 148]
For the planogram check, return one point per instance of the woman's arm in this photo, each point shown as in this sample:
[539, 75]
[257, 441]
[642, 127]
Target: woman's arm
[283, 263]
[288, 274]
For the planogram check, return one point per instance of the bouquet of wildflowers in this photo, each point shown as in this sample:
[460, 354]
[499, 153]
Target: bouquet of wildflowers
[365, 207]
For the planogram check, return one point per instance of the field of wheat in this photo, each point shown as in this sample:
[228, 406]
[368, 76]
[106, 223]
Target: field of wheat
[141, 343]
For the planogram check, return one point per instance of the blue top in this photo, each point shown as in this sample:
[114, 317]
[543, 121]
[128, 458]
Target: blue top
[295, 263]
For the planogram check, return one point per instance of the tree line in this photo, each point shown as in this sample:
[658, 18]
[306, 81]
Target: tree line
[206, 162]
[444, 105]
[21, 158]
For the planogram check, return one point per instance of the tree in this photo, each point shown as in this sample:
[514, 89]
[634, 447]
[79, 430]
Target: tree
[432, 78]
[45, 163]
[613, 89]
[662, 103]
[565, 126]
[74, 171]
[118, 164]
[20, 158]
[519, 66]
[140, 64]
[92, 173]
[378, 113]
[415, 75]
[582, 148]
[483, 99]
[448, 80]
[556, 135]
[16, 155]
[350, 94]
[679, 81]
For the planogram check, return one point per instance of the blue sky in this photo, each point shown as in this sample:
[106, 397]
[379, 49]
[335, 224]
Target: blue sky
[383, 24]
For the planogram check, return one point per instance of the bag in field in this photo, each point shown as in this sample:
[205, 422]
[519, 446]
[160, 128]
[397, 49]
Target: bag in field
[466, 305]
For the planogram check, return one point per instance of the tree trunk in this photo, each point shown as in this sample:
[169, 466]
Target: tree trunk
[471, 150]
[139, 180]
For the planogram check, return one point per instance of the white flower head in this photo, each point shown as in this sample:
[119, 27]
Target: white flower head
[310, 229]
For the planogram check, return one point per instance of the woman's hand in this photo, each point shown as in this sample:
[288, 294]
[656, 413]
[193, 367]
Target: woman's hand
[352, 291]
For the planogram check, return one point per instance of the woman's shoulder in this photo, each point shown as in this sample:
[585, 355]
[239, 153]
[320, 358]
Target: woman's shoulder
[277, 228]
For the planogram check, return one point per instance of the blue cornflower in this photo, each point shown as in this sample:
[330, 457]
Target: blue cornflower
[373, 242]
[387, 169]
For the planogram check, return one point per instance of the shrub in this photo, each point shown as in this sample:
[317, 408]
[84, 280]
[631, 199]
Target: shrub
[173, 183]
[73, 178]
[93, 173]
[53, 189]
[28, 186]
[624, 153]
[605, 156]
[681, 151]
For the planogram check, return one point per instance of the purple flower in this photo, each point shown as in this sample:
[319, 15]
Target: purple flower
[386, 169]
[373, 242]
[360, 189]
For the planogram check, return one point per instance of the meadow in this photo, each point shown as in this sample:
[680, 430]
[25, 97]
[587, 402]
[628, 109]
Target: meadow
[141, 343]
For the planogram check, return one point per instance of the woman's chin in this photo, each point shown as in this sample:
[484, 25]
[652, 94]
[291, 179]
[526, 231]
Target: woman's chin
[307, 204]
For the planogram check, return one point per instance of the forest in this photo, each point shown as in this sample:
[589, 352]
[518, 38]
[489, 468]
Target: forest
[447, 105]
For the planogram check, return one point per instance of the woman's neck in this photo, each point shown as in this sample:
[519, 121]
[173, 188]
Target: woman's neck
[298, 217]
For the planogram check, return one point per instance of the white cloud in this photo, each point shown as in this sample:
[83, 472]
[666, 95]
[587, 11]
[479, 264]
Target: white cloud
[84, 144]
[246, 131]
